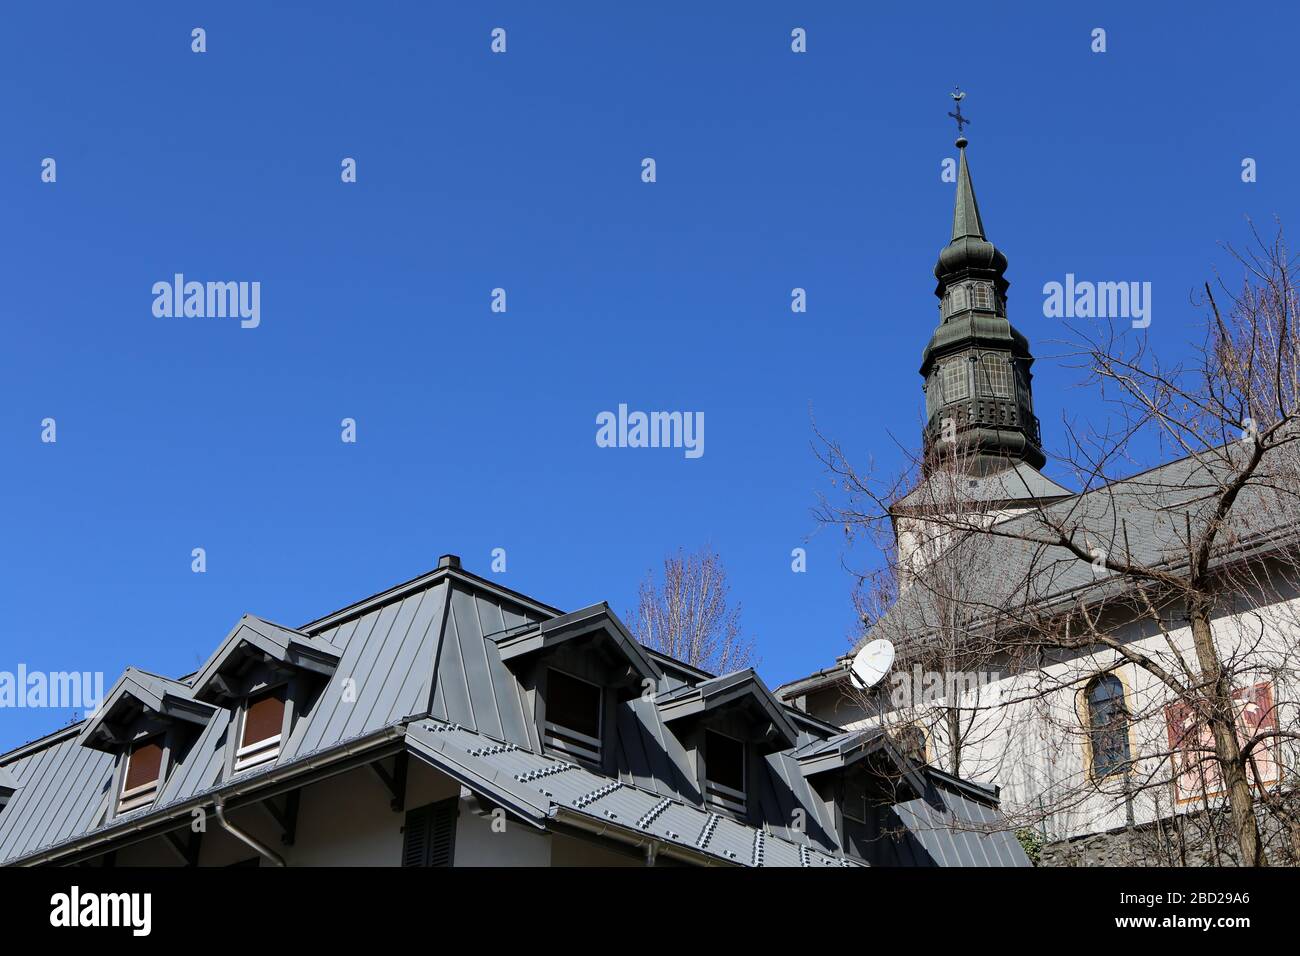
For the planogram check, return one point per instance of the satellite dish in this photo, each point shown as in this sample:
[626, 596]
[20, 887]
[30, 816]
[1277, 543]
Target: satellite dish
[872, 663]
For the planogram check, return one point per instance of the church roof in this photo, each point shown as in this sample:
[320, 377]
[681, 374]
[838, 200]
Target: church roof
[1149, 511]
[1020, 482]
[1153, 506]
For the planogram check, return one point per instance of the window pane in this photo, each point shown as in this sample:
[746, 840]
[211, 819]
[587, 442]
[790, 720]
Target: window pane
[144, 764]
[264, 717]
[994, 376]
[1109, 726]
[955, 384]
[573, 703]
[724, 761]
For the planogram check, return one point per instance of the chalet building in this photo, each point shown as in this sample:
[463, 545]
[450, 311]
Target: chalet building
[451, 721]
[1106, 758]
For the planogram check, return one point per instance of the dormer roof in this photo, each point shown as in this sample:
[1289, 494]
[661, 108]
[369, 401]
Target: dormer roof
[257, 639]
[595, 622]
[842, 751]
[139, 693]
[742, 689]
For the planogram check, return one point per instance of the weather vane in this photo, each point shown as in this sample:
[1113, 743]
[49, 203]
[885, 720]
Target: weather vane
[957, 96]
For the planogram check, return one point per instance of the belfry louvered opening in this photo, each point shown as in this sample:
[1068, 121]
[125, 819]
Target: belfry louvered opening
[430, 834]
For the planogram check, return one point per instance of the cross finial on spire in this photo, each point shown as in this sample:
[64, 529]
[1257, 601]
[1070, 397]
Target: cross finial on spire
[957, 96]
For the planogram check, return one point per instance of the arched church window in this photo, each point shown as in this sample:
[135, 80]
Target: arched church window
[956, 386]
[994, 374]
[982, 296]
[1107, 726]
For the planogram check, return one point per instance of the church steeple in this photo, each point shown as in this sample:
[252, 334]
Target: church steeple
[966, 221]
[976, 366]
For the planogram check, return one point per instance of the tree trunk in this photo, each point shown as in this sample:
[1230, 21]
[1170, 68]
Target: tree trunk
[1223, 724]
[954, 740]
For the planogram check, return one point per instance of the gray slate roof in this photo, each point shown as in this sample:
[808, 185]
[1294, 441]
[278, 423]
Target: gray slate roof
[1147, 512]
[426, 666]
[1019, 482]
[1143, 519]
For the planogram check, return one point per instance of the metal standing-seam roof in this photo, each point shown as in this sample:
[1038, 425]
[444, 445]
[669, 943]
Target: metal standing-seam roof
[742, 685]
[540, 788]
[421, 661]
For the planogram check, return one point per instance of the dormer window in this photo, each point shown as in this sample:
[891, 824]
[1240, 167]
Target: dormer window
[724, 772]
[143, 773]
[727, 725]
[268, 676]
[148, 723]
[261, 729]
[575, 672]
[574, 716]
[857, 774]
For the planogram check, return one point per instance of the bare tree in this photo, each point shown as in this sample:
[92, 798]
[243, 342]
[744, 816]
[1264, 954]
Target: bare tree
[936, 700]
[1185, 577]
[686, 614]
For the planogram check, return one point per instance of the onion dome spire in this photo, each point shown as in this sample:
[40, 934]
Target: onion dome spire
[976, 365]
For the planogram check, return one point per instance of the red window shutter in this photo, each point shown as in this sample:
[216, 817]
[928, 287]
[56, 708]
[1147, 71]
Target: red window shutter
[144, 764]
[264, 716]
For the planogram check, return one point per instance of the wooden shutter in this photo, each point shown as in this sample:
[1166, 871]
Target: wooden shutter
[144, 764]
[430, 838]
[264, 717]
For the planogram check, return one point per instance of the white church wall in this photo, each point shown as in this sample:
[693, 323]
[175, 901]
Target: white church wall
[1029, 732]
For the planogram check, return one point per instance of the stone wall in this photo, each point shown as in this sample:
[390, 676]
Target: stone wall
[1196, 839]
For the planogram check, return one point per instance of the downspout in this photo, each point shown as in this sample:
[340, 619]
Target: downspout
[239, 834]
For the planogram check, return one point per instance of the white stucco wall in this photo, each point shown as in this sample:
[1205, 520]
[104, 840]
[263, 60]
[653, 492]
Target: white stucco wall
[1037, 748]
[510, 843]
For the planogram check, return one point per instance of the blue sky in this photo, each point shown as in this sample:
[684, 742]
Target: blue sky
[476, 430]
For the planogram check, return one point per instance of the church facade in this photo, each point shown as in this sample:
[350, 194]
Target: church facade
[1097, 761]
